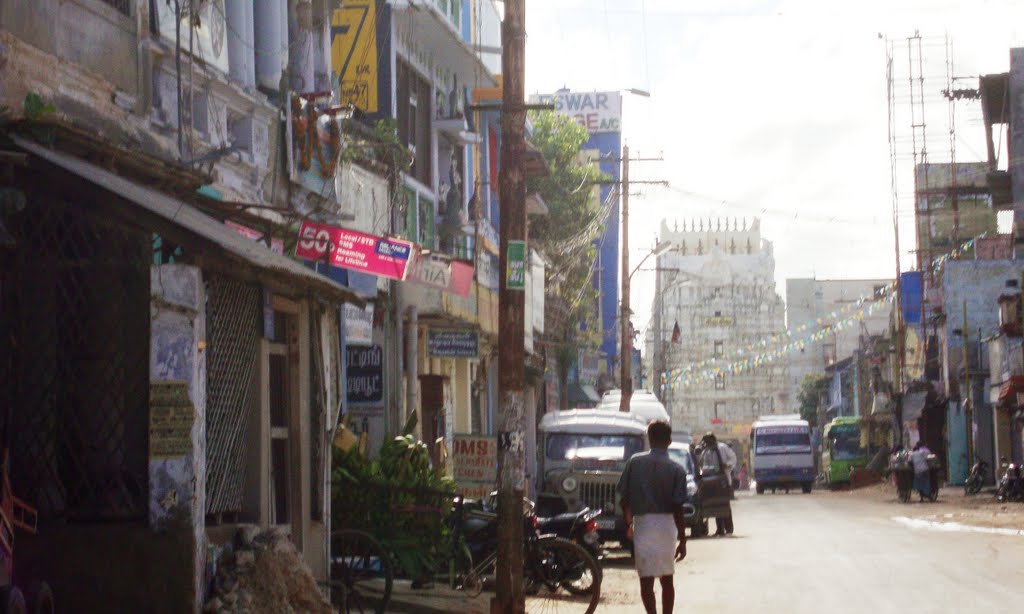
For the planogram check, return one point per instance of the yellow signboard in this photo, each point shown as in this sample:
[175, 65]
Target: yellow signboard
[354, 52]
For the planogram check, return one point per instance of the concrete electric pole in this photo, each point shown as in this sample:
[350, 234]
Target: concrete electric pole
[626, 341]
[514, 257]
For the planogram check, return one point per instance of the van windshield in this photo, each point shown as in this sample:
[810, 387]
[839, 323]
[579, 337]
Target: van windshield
[782, 441]
[570, 446]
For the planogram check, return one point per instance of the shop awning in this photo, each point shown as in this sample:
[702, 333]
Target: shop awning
[583, 393]
[1010, 392]
[195, 222]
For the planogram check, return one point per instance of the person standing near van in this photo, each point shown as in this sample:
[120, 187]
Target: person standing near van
[652, 489]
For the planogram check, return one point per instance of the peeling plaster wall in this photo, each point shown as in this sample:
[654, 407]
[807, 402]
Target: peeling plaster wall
[178, 335]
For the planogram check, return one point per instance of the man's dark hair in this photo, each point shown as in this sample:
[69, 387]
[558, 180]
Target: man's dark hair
[659, 433]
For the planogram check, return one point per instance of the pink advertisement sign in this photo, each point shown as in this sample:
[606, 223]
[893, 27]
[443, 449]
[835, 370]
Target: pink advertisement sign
[354, 250]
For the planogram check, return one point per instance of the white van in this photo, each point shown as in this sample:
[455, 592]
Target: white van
[780, 453]
[642, 404]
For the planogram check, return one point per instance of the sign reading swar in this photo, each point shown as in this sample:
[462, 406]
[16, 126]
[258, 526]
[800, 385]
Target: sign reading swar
[595, 111]
[354, 52]
[354, 250]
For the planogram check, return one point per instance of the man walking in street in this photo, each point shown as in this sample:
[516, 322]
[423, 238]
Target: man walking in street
[922, 477]
[653, 490]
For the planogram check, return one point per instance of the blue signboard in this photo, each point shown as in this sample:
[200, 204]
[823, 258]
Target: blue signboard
[453, 344]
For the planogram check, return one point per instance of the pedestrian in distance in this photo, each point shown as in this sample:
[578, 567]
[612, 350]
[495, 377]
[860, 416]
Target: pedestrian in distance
[922, 479]
[652, 489]
[711, 459]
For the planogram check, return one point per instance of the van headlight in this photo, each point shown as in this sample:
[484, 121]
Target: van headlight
[569, 484]
[691, 488]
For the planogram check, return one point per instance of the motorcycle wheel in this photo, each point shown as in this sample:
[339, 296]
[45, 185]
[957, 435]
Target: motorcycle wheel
[562, 563]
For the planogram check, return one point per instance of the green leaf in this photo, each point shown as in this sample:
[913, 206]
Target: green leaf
[36, 107]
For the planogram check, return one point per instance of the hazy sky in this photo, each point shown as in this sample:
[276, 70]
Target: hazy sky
[778, 109]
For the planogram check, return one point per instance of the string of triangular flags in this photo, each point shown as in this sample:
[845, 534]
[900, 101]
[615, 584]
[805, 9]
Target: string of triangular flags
[757, 354]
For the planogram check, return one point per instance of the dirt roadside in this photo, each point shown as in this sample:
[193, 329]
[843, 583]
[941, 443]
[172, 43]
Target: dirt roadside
[981, 510]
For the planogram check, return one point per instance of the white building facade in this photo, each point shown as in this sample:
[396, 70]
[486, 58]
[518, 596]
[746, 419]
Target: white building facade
[717, 287]
[809, 301]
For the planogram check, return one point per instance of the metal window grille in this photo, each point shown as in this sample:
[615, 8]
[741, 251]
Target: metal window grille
[76, 302]
[232, 326]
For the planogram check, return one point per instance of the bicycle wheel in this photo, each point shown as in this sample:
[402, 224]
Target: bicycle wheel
[361, 574]
[569, 578]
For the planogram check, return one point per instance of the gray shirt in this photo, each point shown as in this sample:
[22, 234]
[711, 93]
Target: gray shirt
[652, 483]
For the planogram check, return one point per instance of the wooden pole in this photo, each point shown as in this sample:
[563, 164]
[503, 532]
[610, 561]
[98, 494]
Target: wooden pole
[626, 341]
[511, 410]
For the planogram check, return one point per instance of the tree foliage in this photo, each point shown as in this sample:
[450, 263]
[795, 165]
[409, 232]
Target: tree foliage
[811, 389]
[572, 194]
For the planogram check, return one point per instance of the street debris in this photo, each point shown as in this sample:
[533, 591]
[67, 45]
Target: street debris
[263, 573]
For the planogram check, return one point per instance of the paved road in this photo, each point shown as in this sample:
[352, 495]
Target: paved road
[828, 553]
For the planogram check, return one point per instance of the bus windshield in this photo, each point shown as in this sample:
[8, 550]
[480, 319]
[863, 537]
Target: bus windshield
[779, 441]
[845, 443]
[570, 446]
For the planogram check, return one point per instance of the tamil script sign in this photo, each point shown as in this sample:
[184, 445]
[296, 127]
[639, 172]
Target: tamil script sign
[515, 275]
[364, 374]
[474, 464]
[595, 111]
[358, 324]
[453, 343]
[354, 250]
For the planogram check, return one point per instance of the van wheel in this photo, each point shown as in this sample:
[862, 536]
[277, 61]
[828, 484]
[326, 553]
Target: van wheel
[806, 486]
[759, 489]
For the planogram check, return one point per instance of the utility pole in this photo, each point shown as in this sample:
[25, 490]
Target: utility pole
[625, 325]
[626, 348]
[509, 597]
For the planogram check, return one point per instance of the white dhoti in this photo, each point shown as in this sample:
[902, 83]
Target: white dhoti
[654, 545]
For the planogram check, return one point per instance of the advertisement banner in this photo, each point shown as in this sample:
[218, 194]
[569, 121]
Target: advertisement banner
[474, 460]
[596, 111]
[437, 271]
[453, 343]
[354, 250]
[354, 52]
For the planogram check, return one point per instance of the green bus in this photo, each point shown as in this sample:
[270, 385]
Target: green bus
[841, 451]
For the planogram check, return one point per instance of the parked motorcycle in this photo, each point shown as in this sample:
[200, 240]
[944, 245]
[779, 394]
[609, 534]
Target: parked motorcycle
[976, 479]
[549, 562]
[1011, 486]
[578, 527]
